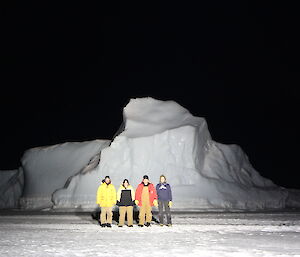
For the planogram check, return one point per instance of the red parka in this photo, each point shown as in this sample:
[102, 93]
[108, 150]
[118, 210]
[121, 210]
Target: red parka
[152, 193]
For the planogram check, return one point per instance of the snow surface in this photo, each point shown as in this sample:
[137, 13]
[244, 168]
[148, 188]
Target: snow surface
[206, 234]
[51, 168]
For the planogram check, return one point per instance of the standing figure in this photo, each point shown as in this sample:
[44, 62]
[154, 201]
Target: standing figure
[106, 198]
[125, 201]
[145, 198]
[164, 194]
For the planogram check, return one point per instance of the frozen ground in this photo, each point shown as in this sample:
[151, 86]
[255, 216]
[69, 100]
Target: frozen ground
[193, 234]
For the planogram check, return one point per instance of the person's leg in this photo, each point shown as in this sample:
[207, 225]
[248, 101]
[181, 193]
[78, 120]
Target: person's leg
[103, 216]
[109, 215]
[160, 212]
[148, 214]
[168, 212]
[142, 215]
[122, 211]
[130, 215]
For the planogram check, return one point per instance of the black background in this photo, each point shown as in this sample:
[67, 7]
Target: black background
[67, 72]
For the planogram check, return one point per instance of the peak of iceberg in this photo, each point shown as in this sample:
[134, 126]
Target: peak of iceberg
[149, 116]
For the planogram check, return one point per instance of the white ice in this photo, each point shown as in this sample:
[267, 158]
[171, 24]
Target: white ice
[51, 168]
[11, 187]
[162, 137]
[206, 234]
[158, 137]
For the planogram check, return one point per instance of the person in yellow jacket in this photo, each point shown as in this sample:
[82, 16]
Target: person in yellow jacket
[106, 199]
[125, 201]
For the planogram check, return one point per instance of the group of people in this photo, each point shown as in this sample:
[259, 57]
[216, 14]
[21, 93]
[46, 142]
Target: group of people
[145, 196]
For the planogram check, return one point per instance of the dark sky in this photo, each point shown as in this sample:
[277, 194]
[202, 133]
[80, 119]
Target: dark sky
[67, 72]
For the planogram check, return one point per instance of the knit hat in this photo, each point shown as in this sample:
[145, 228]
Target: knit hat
[145, 177]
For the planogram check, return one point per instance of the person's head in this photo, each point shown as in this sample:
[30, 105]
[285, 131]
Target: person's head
[145, 179]
[162, 179]
[107, 180]
[125, 183]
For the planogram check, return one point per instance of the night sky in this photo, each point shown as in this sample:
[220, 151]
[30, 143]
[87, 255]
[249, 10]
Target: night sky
[68, 71]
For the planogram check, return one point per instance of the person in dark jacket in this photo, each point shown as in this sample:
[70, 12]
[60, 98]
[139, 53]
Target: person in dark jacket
[125, 201]
[164, 194]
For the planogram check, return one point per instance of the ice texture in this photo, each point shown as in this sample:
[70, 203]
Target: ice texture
[156, 137]
[11, 188]
[162, 137]
[50, 168]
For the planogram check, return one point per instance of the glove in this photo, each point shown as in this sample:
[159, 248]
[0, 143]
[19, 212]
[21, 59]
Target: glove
[170, 204]
[155, 203]
[136, 202]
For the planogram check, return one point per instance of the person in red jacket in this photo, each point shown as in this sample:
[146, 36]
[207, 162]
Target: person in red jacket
[145, 198]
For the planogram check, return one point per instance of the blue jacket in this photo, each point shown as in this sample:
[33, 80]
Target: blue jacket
[164, 192]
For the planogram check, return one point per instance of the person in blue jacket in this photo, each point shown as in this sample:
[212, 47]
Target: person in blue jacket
[164, 194]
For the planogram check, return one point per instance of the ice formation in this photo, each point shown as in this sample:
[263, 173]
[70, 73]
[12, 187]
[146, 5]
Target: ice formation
[156, 137]
[50, 168]
[11, 188]
[162, 137]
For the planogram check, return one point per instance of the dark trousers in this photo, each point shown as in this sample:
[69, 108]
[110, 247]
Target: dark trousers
[161, 206]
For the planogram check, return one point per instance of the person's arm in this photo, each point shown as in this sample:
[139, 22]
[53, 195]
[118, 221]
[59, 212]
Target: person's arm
[170, 196]
[170, 193]
[154, 193]
[114, 195]
[157, 188]
[132, 194]
[99, 195]
[138, 193]
[155, 203]
[119, 194]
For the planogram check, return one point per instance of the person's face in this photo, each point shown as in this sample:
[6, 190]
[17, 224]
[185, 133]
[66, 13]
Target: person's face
[162, 180]
[126, 184]
[146, 181]
[107, 180]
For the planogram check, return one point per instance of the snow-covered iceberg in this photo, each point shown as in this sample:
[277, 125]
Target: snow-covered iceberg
[156, 137]
[162, 137]
[48, 169]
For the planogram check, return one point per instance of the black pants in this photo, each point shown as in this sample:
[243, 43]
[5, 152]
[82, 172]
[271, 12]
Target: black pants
[161, 206]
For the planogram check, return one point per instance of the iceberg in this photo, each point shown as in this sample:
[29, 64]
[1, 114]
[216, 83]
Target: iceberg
[162, 137]
[156, 137]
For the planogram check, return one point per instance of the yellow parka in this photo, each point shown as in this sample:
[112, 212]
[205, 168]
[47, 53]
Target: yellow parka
[106, 195]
